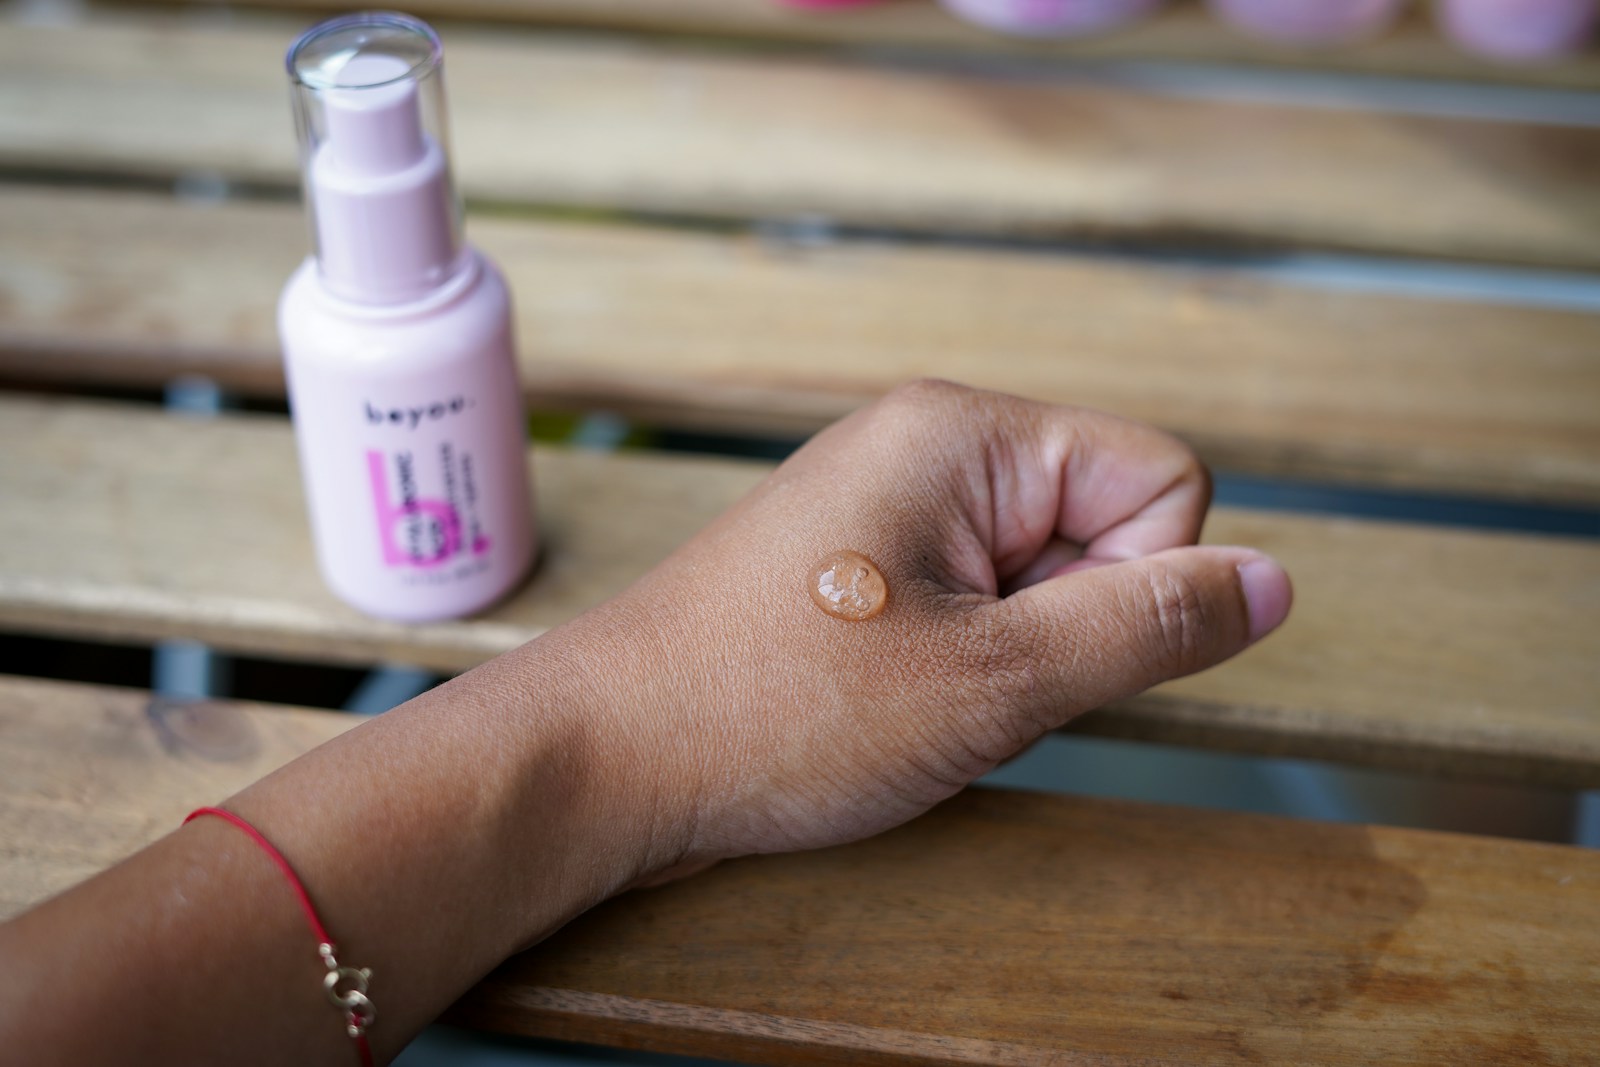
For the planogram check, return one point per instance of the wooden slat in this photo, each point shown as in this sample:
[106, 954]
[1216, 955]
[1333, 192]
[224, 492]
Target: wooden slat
[92, 774]
[1183, 32]
[1462, 653]
[205, 534]
[724, 332]
[1003, 928]
[1031, 930]
[616, 125]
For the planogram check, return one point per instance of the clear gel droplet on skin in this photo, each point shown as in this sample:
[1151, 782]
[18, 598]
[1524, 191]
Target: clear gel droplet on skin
[849, 586]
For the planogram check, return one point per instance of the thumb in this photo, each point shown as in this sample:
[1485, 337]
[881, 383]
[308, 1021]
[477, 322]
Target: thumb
[1101, 634]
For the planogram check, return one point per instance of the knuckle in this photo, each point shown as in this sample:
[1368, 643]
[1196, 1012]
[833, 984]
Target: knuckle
[922, 393]
[1187, 456]
[922, 418]
[1184, 463]
[1182, 620]
[1194, 468]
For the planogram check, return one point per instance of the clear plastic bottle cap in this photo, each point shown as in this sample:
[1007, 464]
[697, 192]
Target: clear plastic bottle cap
[368, 93]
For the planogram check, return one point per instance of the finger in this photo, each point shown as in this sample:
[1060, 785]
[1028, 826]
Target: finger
[1105, 487]
[1129, 490]
[1102, 634]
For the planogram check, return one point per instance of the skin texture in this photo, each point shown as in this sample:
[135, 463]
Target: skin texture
[1037, 568]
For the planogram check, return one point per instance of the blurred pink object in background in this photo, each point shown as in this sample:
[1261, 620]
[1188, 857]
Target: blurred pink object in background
[1308, 21]
[1050, 18]
[1518, 29]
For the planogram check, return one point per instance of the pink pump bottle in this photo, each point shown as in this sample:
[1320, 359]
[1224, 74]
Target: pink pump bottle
[1519, 30]
[1051, 18]
[1309, 23]
[397, 340]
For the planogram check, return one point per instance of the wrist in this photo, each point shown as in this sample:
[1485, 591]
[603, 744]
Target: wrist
[595, 798]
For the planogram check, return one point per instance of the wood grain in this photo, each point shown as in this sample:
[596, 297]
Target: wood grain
[721, 332]
[1031, 930]
[1459, 653]
[1002, 928]
[1183, 32]
[90, 774]
[718, 135]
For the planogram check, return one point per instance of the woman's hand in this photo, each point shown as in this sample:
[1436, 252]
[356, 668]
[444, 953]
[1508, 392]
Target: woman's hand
[1039, 562]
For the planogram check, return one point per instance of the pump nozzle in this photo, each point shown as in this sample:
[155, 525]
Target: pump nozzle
[374, 117]
[385, 220]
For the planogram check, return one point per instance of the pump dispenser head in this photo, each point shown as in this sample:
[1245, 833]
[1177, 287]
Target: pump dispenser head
[369, 109]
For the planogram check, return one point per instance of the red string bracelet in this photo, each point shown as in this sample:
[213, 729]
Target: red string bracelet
[352, 1001]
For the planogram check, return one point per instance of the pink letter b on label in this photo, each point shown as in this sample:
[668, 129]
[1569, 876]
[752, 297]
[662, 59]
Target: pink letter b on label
[407, 515]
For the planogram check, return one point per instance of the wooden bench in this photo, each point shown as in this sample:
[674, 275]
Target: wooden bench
[648, 189]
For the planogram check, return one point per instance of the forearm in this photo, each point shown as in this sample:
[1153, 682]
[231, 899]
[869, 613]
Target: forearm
[434, 841]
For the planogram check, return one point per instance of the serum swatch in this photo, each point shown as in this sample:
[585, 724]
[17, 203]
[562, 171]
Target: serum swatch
[848, 585]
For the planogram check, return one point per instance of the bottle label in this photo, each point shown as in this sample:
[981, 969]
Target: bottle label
[426, 532]
[424, 491]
